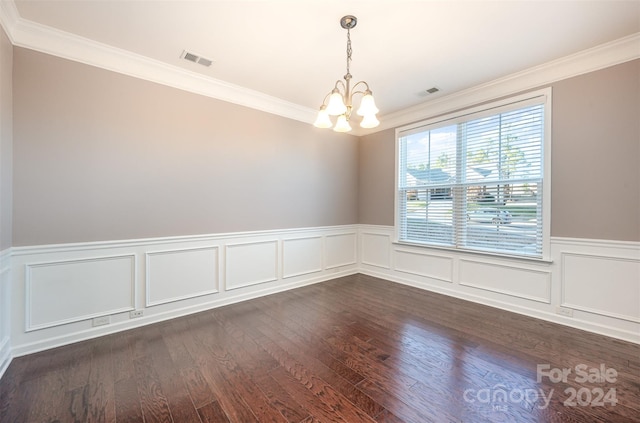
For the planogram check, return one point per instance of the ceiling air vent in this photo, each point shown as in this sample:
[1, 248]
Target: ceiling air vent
[428, 92]
[196, 58]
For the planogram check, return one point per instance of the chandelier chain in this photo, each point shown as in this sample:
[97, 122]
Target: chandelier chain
[349, 50]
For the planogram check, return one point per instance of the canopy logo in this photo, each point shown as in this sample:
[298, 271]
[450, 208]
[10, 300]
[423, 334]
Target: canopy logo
[587, 388]
[500, 395]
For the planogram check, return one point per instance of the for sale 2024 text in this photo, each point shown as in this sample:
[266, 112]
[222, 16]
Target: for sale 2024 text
[592, 396]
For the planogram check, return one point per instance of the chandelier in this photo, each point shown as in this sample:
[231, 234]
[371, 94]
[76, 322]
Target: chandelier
[340, 102]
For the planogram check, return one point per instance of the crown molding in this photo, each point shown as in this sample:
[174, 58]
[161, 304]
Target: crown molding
[34, 36]
[8, 17]
[590, 60]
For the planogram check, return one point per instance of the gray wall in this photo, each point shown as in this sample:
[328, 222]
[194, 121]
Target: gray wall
[6, 140]
[376, 178]
[596, 155]
[595, 159]
[103, 156]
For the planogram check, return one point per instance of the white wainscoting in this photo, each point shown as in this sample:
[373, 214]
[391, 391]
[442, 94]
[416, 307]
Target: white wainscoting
[49, 295]
[56, 291]
[341, 250]
[517, 281]
[375, 249]
[609, 275]
[598, 281]
[251, 263]
[301, 256]
[5, 307]
[421, 263]
[196, 269]
[90, 288]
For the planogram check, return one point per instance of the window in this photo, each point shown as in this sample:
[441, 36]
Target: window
[478, 180]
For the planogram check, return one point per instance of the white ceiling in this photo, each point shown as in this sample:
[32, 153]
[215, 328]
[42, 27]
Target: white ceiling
[295, 50]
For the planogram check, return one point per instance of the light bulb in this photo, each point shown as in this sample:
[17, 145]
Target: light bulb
[367, 105]
[323, 120]
[369, 121]
[342, 125]
[336, 104]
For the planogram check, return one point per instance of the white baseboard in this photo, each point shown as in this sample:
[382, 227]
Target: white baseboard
[69, 338]
[165, 278]
[5, 355]
[597, 281]
[527, 311]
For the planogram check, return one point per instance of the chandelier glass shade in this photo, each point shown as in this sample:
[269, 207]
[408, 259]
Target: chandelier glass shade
[339, 102]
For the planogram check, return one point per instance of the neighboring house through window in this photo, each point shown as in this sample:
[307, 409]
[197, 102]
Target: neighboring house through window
[478, 180]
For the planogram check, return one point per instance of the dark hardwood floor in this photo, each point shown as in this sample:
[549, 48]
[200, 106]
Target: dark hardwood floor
[355, 349]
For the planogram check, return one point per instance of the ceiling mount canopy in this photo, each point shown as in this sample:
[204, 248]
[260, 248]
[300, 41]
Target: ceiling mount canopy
[340, 99]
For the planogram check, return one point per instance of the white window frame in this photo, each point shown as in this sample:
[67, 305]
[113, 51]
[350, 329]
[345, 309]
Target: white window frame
[543, 96]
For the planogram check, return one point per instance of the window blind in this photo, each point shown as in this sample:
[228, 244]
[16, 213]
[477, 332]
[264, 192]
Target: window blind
[475, 182]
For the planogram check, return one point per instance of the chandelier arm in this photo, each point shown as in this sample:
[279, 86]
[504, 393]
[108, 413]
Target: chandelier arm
[363, 83]
[340, 83]
[324, 101]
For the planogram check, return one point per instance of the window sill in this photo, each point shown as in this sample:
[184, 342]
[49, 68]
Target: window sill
[537, 260]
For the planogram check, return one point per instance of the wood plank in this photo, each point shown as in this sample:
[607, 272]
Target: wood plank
[128, 407]
[212, 413]
[257, 362]
[320, 410]
[101, 386]
[79, 368]
[49, 391]
[78, 409]
[235, 377]
[15, 398]
[232, 403]
[295, 345]
[200, 392]
[122, 355]
[173, 386]
[155, 407]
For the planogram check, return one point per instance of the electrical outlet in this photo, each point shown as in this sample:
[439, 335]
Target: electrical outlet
[101, 321]
[135, 313]
[563, 311]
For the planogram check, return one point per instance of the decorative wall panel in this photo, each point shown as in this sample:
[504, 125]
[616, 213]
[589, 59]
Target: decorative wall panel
[509, 280]
[340, 250]
[69, 291]
[301, 256]
[423, 264]
[180, 274]
[376, 250]
[603, 285]
[251, 263]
